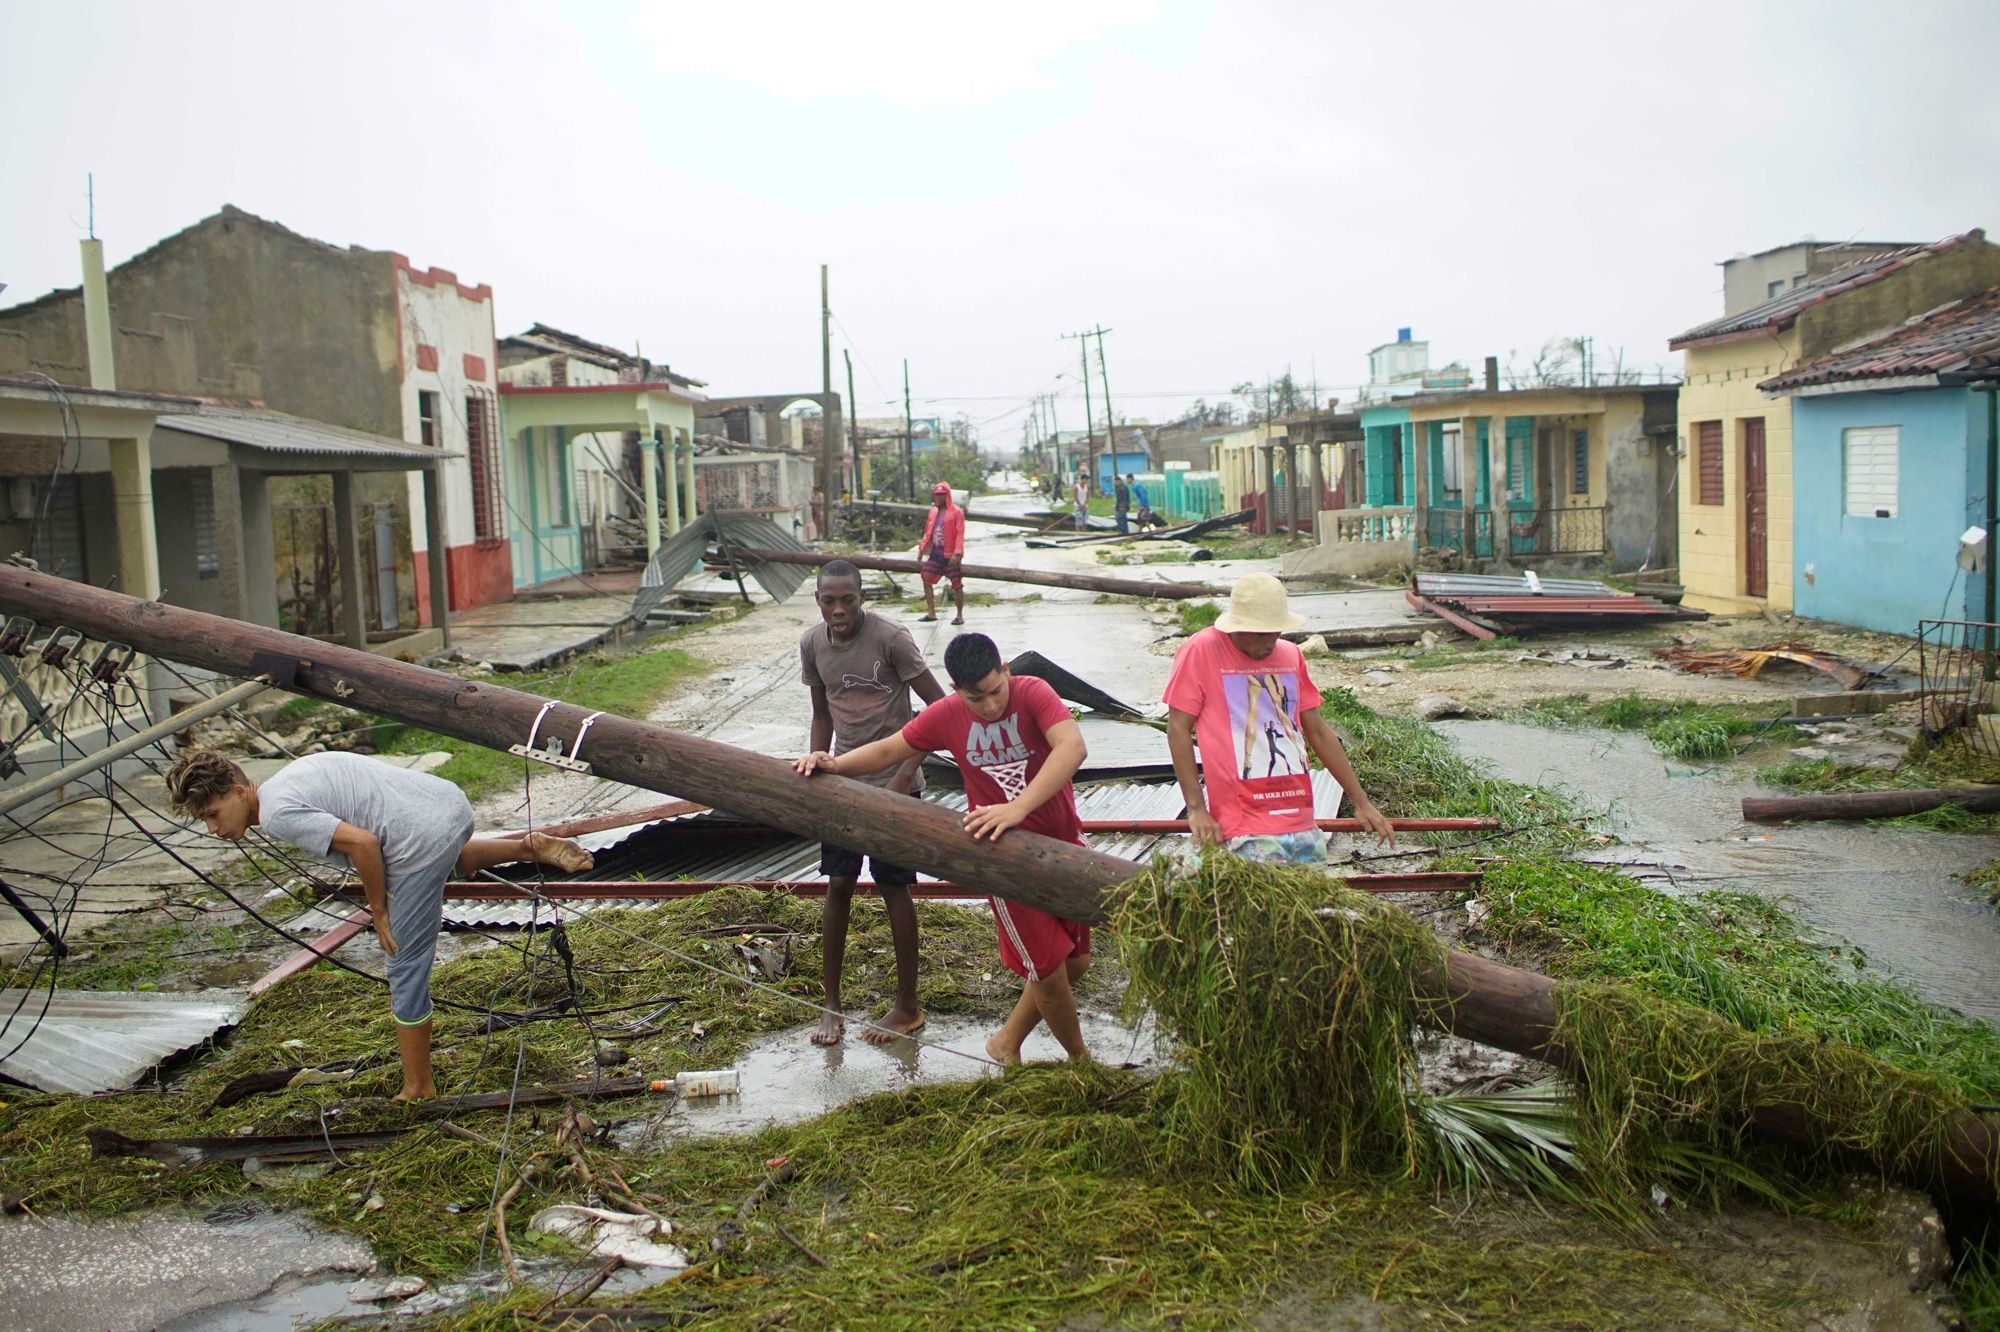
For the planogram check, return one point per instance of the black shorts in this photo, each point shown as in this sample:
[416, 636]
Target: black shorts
[837, 862]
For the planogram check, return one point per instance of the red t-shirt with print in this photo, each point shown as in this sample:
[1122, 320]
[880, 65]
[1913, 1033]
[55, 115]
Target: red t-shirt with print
[999, 758]
[1247, 725]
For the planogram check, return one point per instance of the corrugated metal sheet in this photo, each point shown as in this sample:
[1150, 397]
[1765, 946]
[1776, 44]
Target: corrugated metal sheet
[679, 555]
[275, 432]
[93, 1041]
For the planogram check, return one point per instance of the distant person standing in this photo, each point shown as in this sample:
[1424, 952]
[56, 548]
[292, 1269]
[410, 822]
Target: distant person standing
[860, 670]
[942, 552]
[1242, 694]
[1080, 493]
[1121, 502]
[1142, 503]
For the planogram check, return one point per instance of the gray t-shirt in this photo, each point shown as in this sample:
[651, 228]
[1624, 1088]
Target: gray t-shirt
[866, 680]
[419, 818]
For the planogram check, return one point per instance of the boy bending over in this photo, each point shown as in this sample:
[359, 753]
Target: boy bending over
[403, 833]
[1017, 748]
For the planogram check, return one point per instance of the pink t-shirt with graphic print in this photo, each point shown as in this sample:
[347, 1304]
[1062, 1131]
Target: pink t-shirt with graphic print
[1247, 725]
[998, 759]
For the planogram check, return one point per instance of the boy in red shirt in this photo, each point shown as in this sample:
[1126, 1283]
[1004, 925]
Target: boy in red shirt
[1017, 748]
[1242, 693]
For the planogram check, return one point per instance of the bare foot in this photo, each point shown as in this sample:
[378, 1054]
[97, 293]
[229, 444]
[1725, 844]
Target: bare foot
[999, 1052]
[830, 1030]
[411, 1095]
[557, 852]
[892, 1024]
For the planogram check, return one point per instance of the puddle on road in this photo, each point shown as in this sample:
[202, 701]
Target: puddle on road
[1889, 891]
[786, 1079]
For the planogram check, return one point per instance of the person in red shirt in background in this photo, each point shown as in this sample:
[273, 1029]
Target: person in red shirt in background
[1017, 748]
[943, 551]
[1242, 693]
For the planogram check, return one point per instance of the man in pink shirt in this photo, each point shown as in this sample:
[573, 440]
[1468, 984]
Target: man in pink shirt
[1242, 694]
[943, 551]
[1017, 748]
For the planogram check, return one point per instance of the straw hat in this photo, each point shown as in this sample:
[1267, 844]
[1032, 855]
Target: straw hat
[1257, 606]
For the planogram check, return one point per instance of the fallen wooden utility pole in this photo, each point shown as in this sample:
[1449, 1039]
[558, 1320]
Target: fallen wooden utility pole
[644, 890]
[923, 510]
[1470, 996]
[998, 573]
[1869, 804]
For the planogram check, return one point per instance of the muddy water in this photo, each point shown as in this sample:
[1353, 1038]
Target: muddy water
[1889, 891]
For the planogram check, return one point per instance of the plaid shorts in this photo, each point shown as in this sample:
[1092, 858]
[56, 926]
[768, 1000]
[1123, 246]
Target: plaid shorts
[1300, 848]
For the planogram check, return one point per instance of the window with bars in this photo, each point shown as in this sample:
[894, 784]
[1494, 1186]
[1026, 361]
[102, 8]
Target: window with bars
[1708, 462]
[482, 450]
[1579, 446]
[207, 552]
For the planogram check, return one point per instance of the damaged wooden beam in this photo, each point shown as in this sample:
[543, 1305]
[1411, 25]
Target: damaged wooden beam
[998, 573]
[658, 890]
[1475, 997]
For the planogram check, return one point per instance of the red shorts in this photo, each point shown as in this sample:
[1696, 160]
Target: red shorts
[1034, 944]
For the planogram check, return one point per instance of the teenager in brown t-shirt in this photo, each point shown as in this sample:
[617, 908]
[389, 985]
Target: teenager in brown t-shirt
[860, 670]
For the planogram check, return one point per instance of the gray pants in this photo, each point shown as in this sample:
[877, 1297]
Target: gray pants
[416, 911]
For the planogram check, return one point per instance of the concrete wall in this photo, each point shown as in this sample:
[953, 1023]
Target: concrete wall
[1720, 384]
[1888, 573]
[448, 346]
[181, 581]
[237, 306]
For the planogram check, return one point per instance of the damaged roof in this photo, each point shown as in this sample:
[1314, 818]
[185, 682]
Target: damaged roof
[1783, 310]
[1956, 343]
[97, 1040]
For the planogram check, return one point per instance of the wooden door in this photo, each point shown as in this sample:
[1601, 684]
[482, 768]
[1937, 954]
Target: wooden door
[1756, 523]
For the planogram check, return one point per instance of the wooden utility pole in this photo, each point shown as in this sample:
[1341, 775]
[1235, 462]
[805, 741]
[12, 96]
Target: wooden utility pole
[1110, 419]
[998, 573]
[909, 449]
[853, 423]
[829, 441]
[1089, 430]
[1470, 996]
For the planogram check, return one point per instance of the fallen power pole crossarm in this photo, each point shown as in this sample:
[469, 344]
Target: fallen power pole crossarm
[131, 744]
[1470, 996]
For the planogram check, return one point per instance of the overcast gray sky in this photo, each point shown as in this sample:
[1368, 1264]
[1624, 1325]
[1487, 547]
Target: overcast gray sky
[1233, 189]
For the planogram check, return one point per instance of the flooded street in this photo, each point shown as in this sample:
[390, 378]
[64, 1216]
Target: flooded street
[1889, 891]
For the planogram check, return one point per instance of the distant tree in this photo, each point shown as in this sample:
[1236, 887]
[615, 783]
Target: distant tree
[1282, 396]
[1558, 361]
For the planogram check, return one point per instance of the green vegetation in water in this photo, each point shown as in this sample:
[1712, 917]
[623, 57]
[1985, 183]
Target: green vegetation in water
[139, 958]
[1946, 761]
[1987, 879]
[1691, 731]
[1196, 616]
[627, 684]
[1461, 654]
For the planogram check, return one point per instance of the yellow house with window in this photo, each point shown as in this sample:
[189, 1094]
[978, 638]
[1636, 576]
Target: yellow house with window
[1735, 470]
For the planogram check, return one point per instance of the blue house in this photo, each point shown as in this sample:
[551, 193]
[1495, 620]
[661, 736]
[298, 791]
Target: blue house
[1893, 448]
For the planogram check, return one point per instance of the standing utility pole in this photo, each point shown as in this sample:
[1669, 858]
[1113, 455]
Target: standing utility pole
[1110, 421]
[853, 422]
[829, 441]
[1089, 428]
[909, 457]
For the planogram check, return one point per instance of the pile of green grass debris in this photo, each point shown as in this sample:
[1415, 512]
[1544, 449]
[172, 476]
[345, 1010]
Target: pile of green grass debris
[1295, 1012]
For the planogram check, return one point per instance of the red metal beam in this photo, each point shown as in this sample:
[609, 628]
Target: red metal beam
[311, 956]
[1449, 616]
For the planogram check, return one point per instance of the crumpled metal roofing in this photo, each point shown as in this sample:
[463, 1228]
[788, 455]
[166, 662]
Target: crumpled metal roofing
[680, 554]
[99, 1040]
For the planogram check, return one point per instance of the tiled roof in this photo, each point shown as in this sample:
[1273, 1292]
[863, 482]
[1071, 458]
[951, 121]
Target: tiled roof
[1782, 310]
[1962, 340]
